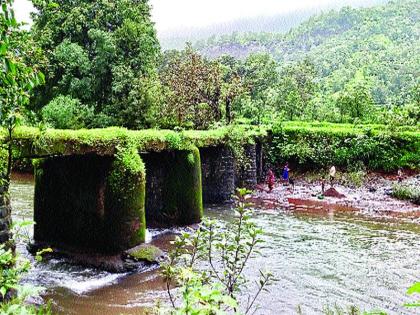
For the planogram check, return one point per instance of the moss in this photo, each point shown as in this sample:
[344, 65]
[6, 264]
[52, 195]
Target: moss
[146, 252]
[126, 183]
[182, 195]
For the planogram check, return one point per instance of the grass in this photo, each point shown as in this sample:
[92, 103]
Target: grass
[406, 192]
[32, 141]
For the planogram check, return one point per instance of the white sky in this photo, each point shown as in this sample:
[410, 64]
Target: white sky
[176, 14]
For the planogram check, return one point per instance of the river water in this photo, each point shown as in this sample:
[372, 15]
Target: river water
[319, 260]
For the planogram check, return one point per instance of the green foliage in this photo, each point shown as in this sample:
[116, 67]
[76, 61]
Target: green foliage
[318, 146]
[296, 90]
[17, 81]
[64, 112]
[406, 192]
[355, 100]
[12, 268]
[414, 289]
[102, 53]
[214, 287]
[381, 41]
[193, 86]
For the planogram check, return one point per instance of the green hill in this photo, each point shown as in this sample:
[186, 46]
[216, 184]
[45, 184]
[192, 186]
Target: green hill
[383, 41]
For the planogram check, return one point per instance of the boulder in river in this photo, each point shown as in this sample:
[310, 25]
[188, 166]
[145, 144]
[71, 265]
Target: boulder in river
[332, 192]
[146, 252]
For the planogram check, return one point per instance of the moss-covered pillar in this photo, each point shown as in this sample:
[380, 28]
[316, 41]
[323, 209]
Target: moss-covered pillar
[90, 202]
[173, 188]
[218, 173]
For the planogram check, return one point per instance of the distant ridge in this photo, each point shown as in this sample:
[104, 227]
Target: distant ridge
[280, 23]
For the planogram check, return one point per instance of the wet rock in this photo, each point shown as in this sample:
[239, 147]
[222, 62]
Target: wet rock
[146, 252]
[372, 189]
[332, 192]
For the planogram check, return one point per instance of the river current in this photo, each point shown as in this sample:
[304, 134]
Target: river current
[318, 260]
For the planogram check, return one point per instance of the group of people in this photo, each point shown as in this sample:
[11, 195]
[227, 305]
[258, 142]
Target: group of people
[271, 179]
[285, 178]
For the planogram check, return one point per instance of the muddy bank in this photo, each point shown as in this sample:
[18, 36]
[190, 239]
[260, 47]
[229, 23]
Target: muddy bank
[372, 198]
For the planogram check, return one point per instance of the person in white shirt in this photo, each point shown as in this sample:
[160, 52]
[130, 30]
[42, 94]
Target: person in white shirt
[332, 175]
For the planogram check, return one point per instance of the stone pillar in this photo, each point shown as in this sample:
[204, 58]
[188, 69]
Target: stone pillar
[90, 202]
[259, 161]
[218, 173]
[246, 170]
[173, 188]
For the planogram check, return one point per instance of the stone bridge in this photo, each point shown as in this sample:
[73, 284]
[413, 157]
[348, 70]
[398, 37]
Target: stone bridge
[100, 189]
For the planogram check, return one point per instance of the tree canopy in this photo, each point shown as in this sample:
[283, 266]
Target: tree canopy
[102, 53]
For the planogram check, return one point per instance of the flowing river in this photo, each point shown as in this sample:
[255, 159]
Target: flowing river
[318, 260]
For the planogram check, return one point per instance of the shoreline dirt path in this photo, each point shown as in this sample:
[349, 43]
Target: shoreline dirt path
[373, 198]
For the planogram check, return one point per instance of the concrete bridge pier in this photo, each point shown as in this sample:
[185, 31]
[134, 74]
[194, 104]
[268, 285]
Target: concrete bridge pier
[218, 169]
[247, 169]
[173, 188]
[89, 202]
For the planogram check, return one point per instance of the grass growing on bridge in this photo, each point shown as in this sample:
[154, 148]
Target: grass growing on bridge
[32, 141]
[310, 144]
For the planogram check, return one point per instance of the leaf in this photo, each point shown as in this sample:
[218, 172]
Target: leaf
[415, 288]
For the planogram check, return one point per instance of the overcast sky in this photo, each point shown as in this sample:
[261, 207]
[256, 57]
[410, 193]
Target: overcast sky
[176, 14]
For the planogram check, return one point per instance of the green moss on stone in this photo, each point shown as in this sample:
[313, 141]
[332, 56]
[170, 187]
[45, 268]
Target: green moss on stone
[127, 188]
[183, 189]
[146, 252]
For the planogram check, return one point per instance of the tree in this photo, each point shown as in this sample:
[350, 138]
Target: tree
[99, 52]
[260, 76]
[193, 86]
[297, 88]
[17, 81]
[355, 100]
[232, 87]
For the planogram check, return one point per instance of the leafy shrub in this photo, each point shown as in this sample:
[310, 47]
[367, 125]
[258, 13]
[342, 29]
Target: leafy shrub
[64, 112]
[209, 265]
[406, 192]
[320, 145]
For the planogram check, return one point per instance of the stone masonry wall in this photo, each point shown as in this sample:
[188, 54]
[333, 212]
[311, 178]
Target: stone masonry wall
[246, 172]
[218, 174]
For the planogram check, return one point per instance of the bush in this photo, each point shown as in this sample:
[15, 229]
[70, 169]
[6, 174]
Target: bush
[314, 146]
[406, 192]
[64, 112]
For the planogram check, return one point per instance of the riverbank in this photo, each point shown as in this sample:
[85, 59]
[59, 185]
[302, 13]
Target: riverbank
[373, 197]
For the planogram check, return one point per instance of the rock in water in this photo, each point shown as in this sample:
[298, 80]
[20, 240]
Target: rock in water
[332, 192]
[146, 252]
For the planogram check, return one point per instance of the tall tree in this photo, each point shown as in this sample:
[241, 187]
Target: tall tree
[17, 81]
[297, 87]
[99, 52]
[193, 87]
[355, 100]
[260, 76]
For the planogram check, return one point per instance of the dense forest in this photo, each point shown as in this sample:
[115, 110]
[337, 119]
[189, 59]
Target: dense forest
[278, 23]
[101, 65]
[378, 46]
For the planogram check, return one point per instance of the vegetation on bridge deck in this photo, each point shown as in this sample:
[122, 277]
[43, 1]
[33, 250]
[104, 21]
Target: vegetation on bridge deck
[32, 141]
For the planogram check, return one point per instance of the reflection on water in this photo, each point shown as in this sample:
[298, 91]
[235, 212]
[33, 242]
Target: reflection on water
[319, 260]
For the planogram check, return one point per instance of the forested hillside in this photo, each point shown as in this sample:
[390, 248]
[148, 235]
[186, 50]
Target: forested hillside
[381, 42]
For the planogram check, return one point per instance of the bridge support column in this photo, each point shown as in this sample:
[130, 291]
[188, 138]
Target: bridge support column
[218, 169]
[173, 188]
[246, 175]
[90, 202]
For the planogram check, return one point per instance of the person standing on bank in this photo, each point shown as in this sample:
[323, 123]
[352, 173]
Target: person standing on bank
[332, 175]
[286, 171]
